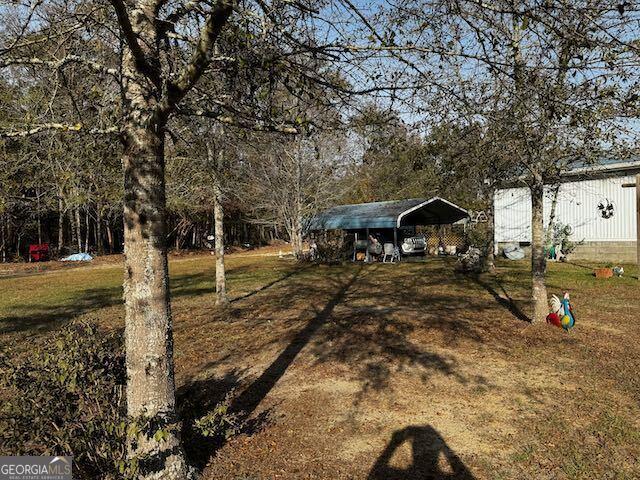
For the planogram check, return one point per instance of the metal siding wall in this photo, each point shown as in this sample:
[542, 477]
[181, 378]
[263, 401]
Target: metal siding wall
[512, 215]
[577, 206]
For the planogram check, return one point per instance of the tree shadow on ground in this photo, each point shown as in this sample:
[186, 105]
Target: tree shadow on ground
[374, 340]
[503, 299]
[43, 317]
[269, 285]
[40, 317]
[259, 388]
[202, 396]
[427, 448]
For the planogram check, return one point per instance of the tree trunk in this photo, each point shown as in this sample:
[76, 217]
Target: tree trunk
[297, 221]
[296, 238]
[218, 216]
[72, 227]
[99, 245]
[148, 324]
[87, 228]
[38, 215]
[221, 279]
[538, 258]
[3, 240]
[60, 225]
[109, 237]
[552, 215]
[78, 229]
[490, 261]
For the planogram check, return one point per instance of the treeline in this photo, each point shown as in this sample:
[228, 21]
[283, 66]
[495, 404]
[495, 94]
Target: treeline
[71, 198]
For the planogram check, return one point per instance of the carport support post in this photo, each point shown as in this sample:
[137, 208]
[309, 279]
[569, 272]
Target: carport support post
[368, 258]
[355, 246]
[395, 241]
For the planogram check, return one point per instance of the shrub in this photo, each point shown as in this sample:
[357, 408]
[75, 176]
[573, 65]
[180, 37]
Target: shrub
[478, 236]
[332, 248]
[561, 235]
[219, 423]
[67, 397]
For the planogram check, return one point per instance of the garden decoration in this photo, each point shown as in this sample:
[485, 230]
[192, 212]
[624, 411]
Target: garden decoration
[561, 313]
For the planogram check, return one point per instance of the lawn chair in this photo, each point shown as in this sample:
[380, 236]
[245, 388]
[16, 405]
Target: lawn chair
[391, 251]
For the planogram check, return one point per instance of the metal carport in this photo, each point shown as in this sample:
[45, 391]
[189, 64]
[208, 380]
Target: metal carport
[388, 215]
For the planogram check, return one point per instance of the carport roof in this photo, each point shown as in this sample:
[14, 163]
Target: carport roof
[395, 213]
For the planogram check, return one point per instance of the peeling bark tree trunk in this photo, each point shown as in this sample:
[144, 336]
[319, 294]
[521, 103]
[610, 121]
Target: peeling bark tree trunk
[216, 162]
[538, 259]
[148, 324]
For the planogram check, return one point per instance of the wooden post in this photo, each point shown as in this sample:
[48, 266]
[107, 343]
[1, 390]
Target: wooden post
[367, 257]
[637, 186]
[395, 241]
[355, 244]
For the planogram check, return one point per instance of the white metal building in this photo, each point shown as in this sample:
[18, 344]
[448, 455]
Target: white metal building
[581, 193]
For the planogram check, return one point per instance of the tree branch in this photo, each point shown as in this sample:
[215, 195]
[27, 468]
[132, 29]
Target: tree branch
[258, 126]
[60, 127]
[56, 64]
[200, 59]
[131, 38]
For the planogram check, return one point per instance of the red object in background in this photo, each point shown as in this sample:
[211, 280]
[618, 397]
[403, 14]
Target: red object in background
[39, 252]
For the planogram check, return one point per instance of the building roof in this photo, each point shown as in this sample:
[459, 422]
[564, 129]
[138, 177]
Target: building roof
[605, 168]
[395, 213]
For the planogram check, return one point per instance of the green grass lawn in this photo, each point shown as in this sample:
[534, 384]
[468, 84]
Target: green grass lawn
[33, 302]
[383, 371]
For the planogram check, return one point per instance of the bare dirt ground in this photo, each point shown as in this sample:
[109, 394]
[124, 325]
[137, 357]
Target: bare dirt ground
[378, 371]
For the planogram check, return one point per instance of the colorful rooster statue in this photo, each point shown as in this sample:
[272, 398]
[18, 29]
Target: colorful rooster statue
[561, 313]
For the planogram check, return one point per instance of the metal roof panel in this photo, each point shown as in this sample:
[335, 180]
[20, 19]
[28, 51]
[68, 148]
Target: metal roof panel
[388, 214]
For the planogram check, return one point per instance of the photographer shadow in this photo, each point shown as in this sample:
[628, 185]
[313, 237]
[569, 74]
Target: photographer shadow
[431, 458]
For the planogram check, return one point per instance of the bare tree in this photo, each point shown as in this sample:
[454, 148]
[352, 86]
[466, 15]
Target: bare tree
[215, 161]
[288, 185]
